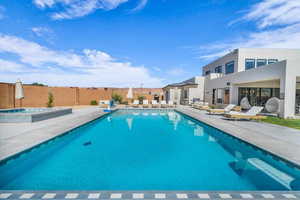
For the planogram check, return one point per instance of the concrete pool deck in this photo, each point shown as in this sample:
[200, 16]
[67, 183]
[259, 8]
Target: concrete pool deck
[278, 140]
[17, 137]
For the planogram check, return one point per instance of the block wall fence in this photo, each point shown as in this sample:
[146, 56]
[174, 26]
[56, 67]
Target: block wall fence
[37, 96]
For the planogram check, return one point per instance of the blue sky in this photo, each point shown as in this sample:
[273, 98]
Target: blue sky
[123, 43]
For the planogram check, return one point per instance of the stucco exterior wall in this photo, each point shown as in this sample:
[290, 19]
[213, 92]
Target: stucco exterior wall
[233, 56]
[265, 53]
[37, 96]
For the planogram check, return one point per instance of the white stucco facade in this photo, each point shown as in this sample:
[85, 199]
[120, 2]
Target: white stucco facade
[185, 92]
[276, 79]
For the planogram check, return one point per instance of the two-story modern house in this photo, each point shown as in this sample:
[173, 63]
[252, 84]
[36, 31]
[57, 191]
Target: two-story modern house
[258, 74]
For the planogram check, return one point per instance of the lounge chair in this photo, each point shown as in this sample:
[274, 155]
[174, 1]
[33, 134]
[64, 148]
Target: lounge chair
[154, 104]
[202, 106]
[145, 104]
[103, 103]
[197, 104]
[171, 104]
[250, 114]
[163, 104]
[225, 110]
[135, 103]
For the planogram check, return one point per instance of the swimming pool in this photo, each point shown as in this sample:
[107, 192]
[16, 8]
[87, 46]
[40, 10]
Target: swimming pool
[147, 150]
[24, 110]
[21, 115]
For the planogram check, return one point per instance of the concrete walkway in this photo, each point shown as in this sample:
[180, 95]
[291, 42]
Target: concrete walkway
[281, 141]
[17, 137]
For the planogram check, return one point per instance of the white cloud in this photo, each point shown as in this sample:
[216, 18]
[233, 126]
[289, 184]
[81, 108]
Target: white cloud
[176, 72]
[77, 8]
[41, 31]
[278, 26]
[275, 12]
[9, 66]
[140, 6]
[89, 68]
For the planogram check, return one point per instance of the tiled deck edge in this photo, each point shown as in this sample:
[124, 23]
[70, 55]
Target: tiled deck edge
[9, 194]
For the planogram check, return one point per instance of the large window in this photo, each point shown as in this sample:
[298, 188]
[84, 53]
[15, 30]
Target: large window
[249, 63]
[218, 69]
[258, 96]
[207, 72]
[229, 67]
[271, 61]
[261, 62]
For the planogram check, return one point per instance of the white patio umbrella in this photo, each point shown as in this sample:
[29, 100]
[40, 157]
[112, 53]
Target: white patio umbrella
[130, 93]
[19, 92]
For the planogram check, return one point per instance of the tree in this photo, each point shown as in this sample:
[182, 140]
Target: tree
[38, 84]
[117, 98]
[50, 100]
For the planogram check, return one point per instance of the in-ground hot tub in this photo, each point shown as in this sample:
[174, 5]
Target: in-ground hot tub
[20, 115]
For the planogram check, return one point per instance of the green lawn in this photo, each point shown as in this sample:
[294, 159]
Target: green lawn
[292, 123]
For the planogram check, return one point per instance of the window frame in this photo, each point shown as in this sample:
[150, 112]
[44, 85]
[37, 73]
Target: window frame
[227, 64]
[275, 61]
[219, 69]
[207, 72]
[248, 59]
[257, 60]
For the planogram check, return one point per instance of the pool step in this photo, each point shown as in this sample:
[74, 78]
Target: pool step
[277, 175]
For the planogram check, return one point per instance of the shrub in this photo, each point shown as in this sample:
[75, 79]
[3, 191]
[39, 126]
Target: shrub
[50, 100]
[94, 103]
[141, 98]
[117, 98]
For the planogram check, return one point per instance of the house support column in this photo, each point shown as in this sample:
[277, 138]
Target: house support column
[288, 94]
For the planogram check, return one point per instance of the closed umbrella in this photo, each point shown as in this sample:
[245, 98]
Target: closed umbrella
[19, 92]
[130, 94]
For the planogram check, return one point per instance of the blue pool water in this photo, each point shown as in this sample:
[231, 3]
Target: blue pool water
[25, 110]
[147, 150]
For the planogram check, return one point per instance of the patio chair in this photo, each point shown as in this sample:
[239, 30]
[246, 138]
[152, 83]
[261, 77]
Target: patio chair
[251, 114]
[135, 103]
[145, 104]
[202, 106]
[154, 104]
[225, 110]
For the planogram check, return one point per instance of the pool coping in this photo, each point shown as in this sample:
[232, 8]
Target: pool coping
[244, 136]
[148, 194]
[55, 134]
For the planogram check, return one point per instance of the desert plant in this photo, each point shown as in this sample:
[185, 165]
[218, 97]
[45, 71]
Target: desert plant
[117, 98]
[50, 100]
[141, 98]
[94, 103]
